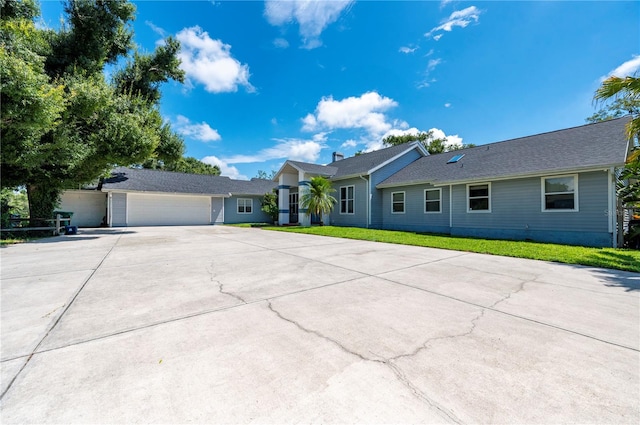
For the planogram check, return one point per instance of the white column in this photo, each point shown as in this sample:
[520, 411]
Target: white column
[283, 203]
[304, 218]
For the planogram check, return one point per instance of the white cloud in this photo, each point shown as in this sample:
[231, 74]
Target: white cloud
[294, 149]
[349, 144]
[433, 63]
[407, 49]
[209, 62]
[452, 140]
[225, 168]
[201, 131]
[628, 68]
[160, 31]
[459, 18]
[364, 112]
[447, 105]
[313, 16]
[281, 43]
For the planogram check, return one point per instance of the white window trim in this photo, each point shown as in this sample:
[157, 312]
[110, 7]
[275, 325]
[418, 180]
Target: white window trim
[469, 210]
[404, 202]
[543, 193]
[245, 205]
[347, 200]
[439, 201]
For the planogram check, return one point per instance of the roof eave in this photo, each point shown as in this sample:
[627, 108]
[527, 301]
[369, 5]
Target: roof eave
[542, 173]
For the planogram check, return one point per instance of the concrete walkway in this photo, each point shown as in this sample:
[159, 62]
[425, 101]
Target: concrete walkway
[230, 325]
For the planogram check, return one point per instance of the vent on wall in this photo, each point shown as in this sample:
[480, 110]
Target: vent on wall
[455, 159]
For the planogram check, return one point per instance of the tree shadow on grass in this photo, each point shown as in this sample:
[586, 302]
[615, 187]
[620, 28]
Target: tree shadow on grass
[617, 278]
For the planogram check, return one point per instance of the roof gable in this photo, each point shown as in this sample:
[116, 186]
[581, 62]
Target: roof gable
[371, 161]
[596, 145]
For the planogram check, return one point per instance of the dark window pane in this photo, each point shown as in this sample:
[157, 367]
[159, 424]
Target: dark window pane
[559, 202]
[559, 184]
[398, 197]
[398, 207]
[480, 204]
[433, 206]
[433, 195]
[350, 207]
[481, 190]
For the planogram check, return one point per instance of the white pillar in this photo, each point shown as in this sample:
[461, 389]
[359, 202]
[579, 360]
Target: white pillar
[304, 218]
[283, 204]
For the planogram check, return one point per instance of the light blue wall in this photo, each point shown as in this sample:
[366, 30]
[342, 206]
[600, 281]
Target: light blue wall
[119, 209]
[414, 217]
[231, 215]
[359, 217]
[516, 213]
[217, 207]
[382, 174]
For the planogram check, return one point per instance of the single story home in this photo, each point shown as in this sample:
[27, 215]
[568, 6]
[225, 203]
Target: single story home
[555, 187]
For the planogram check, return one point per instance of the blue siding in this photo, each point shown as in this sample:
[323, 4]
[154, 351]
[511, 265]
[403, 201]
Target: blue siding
[231, 215]
[119, 209]
[382, 174]
[359, 217]
[516, 213]
[415, 219]
[217, 210]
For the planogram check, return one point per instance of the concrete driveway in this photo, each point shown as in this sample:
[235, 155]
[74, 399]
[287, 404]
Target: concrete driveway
[222, 324]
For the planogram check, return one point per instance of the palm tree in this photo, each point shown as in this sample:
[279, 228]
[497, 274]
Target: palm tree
[627, 88]
[318, 199]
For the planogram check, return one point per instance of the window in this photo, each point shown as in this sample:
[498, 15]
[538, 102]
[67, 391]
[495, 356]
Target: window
[245, 206]
[346, 200]
[455, 159]
[560, 193]
[479, 197]
[397, 202]
[432, 200]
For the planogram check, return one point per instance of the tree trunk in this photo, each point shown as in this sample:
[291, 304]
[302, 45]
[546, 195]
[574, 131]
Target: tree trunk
[42, 201]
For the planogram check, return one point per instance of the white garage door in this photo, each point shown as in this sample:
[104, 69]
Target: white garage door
[167, 210]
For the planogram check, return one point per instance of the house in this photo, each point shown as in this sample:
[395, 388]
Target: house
[555, 187]
[141, 197]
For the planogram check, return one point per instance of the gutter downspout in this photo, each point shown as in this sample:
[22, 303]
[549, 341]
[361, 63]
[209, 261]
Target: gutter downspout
[368, 204]
[450, 208]
[110, 209]
[613, 206]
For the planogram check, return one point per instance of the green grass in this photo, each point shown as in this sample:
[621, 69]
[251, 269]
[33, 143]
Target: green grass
[620, 259]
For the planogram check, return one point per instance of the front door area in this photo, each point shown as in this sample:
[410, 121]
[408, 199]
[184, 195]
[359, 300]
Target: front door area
[293, 208]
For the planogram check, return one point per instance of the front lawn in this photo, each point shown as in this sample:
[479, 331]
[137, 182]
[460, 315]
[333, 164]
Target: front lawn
[621, 259]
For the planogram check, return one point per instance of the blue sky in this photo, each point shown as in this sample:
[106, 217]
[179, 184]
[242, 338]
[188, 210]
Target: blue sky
[269, 81]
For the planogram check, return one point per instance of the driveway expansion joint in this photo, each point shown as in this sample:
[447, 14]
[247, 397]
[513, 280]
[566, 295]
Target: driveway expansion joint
[66, 308]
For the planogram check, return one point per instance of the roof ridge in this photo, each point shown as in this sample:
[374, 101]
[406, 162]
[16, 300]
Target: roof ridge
[543, 133]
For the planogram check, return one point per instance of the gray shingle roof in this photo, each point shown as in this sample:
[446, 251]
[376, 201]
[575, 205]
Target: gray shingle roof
[142, 180]
[322, 170]
[602, 144]
[361, 164]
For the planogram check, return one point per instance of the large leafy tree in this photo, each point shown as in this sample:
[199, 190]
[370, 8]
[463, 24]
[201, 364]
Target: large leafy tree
[318, 198]
[431, 144]
[76, 125]
[624, 95]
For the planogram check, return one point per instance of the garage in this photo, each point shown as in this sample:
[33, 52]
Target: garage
[167, 210]
[89, 207]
